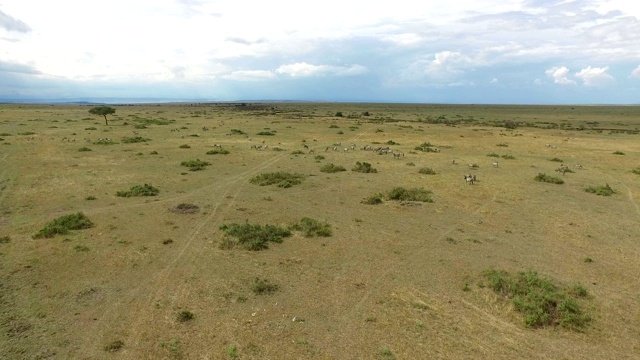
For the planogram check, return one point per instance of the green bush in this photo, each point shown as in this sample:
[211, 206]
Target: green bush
[266, 133]
[139, 190]
[263, 287]
[84, 148]
[556, 159]
[391, 142]
[415, 194]
[339, 114]
[493, 155]
[502, 145]
[548, 179]
[542, 302]
[184, 146]
[252, 237]
[333, 126]
[137, 139]
[331, 168]
[91, 128]
[508, 157]
[63, 224]
[374, 199]
[618, 153]
[185, 315]
[297, 152]
[280, 179]
[364, 167]
[427, 171]
[237, 132]
[636, 171]
[426, 147]
[312, 228]
[601, 190]
[90, 197]
[218, 152]
[195, 165]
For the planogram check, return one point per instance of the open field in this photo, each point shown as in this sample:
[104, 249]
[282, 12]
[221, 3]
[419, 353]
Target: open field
[400, 279]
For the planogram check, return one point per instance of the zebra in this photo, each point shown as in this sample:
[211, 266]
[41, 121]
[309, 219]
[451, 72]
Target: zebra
[469, 179]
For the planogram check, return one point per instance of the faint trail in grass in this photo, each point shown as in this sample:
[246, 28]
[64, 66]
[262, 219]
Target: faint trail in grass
[154, 287]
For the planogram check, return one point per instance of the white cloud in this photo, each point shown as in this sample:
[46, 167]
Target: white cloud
[636, 72]
[560, 75]
[250, 75]
[594, 76]
[493, 81]
[304, 69]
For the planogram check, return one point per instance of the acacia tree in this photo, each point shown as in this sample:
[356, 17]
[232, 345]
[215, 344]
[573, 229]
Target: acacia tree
[104, 111]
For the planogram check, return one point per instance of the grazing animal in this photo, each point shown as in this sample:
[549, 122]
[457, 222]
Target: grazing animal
[468, 179]
[578, 166]
[218, 146]
[473, 166]
[495, 164]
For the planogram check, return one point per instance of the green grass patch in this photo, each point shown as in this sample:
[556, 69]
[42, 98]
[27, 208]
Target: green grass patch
[218, 152]
[195, 165]
[548, 179]
[263, 287]
[508, 157]
[493, 155]
[414, 194]
[280, 179]
[601, 190]
[312, 228]
[252, 236]
[331, 168]
[540, 300]
[427, 171]
[364, 167]
[139, 190]
[63, 224]
[136, 139]
[374, 199]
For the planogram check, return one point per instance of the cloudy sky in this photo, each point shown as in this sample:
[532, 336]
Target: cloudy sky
[456, 51]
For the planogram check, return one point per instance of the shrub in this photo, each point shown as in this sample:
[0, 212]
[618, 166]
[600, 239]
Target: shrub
[502, 145]
[28, 133]
[427, 171]
[81, 248]
[542, 302]
[252, 237]
[331, 168]
[5, 239]
[493, 155]
[508, 157]
[374, 199]
[280, 179]
[548, 179]
[237, 132]
[218, 152]
[312, 228]
[334, 126]
[114, 346]
[91, 128]
[184, 146]
[137, 139]
[556, 159]
[411, 164]
[63, 224]
[167, 241]
[618, 153]
[319, 157]
[297, 152]
[90, 197]
[263, 287]
[139, 190]
[340, 132]
[636, 171]
[185, 315]
[364, 167]
[266, 133]
[195, 165]
[415, 194]
[601, 190]
[84, 148]
[339, 114]
[184, 208]
[391, 142]
[426, 147]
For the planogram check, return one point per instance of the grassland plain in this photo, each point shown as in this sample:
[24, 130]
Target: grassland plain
[395, 279]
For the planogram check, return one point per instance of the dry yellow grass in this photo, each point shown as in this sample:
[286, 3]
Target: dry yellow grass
[389, 282]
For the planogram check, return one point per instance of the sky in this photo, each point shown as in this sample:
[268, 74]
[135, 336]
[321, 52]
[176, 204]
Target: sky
[457, 51]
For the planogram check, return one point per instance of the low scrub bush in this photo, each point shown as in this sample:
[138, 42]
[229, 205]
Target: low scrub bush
[548, 179]
[297, 152]
[185, 208]
[374, 199]
[90, 197]
[427, 171]
[184, 146]
[391, 142]
[542, 302]
[508, 157]
[556, 159]
[252, 237]
[364, 167]
[331, 168]
[218, 152]
[312, 228]
[185, 315]
[195, 165]
[426, 147]
[137, 139]
[84, 148]
[493, 155]
[601, 190]
[636, 171]
[319, 157]
[237, 132]
[280, 179]
[414, 194]
[139, 190]
[5, 239]
[266, 133]
[618, 153]
[502, 145]
[333, 126]
[63, 224]
[114, 346]
[91, 128]
[263, 287]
